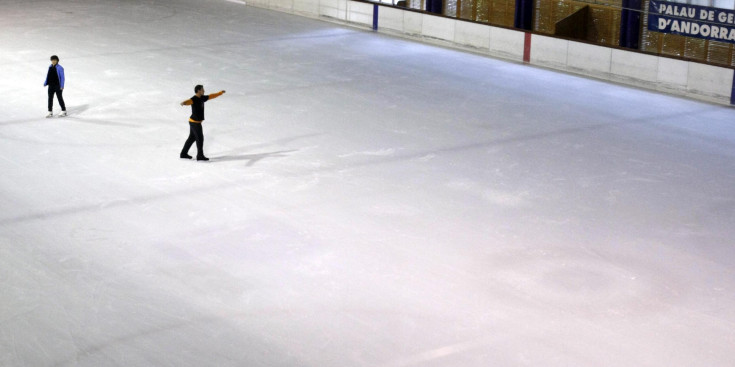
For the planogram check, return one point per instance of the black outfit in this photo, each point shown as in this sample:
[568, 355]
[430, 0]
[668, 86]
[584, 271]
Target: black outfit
[54, 87]
[197, 108]
[196, 134]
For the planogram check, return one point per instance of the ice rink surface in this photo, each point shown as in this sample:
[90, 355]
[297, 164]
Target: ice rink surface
[371, 201]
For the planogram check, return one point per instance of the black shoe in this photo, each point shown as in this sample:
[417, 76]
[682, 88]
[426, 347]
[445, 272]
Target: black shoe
[184, 156]
[202, 158]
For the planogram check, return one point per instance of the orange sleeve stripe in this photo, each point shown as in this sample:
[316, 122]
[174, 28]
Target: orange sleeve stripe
[215, 95]
[188, 102]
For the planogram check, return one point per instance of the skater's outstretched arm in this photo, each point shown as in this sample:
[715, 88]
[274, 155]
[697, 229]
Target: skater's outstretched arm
[215, 95]
[188, 102]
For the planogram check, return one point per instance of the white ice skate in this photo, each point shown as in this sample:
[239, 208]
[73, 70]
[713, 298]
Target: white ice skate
[63, 114]
[50, 114]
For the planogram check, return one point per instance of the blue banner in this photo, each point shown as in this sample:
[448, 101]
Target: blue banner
[692, 20]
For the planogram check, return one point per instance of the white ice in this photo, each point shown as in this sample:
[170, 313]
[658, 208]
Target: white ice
[371, 201]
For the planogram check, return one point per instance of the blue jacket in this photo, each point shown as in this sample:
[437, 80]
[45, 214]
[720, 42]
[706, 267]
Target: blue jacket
[60, 71]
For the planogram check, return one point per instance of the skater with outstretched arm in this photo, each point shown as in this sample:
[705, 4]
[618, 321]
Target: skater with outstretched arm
[55, 81]
[195, 122]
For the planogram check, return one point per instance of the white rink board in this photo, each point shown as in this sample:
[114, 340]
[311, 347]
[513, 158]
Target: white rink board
[438, 27]
[507, 43]
[549, 52]
[589, 59]
[473, 35]
[709, 80]
[637, 67]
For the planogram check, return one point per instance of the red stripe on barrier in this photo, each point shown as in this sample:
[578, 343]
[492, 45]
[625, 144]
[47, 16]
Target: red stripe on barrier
[527, 48]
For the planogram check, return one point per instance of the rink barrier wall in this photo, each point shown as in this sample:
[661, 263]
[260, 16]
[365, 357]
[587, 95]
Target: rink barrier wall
[679, 77]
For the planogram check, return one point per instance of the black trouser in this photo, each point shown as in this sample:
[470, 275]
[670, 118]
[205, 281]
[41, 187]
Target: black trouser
[195, 134]
[55, 90]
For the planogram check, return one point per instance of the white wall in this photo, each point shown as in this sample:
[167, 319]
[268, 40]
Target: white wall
[690, 79]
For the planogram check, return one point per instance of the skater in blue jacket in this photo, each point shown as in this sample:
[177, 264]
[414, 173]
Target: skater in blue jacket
[55, 82]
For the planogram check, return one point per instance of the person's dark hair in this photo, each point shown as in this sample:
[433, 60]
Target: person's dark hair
[54, 57]
[198, 88]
